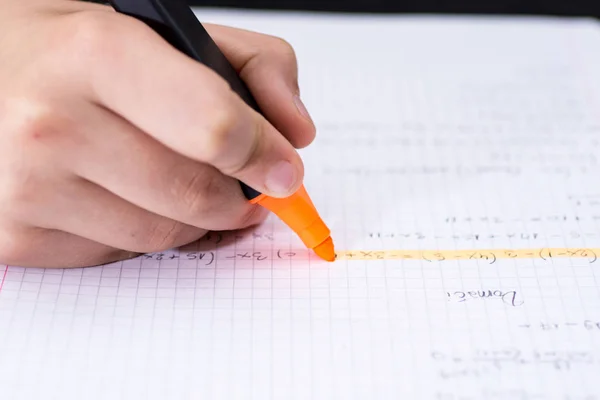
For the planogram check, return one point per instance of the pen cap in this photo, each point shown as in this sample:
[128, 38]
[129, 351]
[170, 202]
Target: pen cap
[300, 214]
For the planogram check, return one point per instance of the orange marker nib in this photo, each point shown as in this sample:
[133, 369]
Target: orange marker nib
[299, 213]
[326, 250]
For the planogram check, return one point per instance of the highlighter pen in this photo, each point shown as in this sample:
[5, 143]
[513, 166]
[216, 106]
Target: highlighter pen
[175, 21]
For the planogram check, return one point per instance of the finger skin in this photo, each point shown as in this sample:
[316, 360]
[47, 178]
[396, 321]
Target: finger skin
[124, 189]
[179, 102]
[89, 211]
[88, 53]
[41, 248]
[269, 67]
[137, 168]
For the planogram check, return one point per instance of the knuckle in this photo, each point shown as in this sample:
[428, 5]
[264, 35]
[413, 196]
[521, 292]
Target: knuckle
[251, 150]
[195, 192]
[100, 36]
[37, 124]
[37, 128]
[90, 35]
[284, 49]
[39, 134]
[223, 121]
[234, 141]
[161, 235]
[17, 175]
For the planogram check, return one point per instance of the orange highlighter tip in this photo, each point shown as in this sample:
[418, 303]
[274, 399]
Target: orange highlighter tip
[326, 250]
[299, 213]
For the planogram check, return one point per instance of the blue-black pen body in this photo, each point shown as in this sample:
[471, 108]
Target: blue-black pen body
[175, 21]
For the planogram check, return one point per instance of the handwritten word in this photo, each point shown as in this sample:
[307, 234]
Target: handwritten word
[508, 297]
[488, 256]
[588, 325]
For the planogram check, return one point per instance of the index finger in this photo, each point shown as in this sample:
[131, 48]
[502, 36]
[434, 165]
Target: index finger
[269, 67]
[184, 105]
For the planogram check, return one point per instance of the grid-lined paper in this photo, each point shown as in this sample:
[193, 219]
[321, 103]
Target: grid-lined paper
[445, 136]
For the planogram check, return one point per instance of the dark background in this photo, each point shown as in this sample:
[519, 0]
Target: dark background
[509, 7]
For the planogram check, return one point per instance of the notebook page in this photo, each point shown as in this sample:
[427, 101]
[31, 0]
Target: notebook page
[456, 164]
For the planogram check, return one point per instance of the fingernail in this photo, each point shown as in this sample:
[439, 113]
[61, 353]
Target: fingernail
[301, 107]
[281, 178]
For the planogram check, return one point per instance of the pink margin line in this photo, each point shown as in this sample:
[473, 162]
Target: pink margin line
[3, 278]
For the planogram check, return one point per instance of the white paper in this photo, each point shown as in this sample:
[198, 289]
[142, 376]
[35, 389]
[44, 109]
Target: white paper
[434, 134]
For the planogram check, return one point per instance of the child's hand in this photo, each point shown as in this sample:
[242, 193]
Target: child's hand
[113, 143]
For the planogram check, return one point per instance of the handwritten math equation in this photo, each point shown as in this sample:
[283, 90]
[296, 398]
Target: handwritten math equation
[486, 361]
[475, 237]
[588, 325]
[227, 238]
[462, 170]
[490, 256]
[510, 394]
[210, 257]
[532, 219]
[257, 236]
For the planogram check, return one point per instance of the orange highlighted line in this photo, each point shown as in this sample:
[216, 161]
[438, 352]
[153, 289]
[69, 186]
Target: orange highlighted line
[489, 255]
